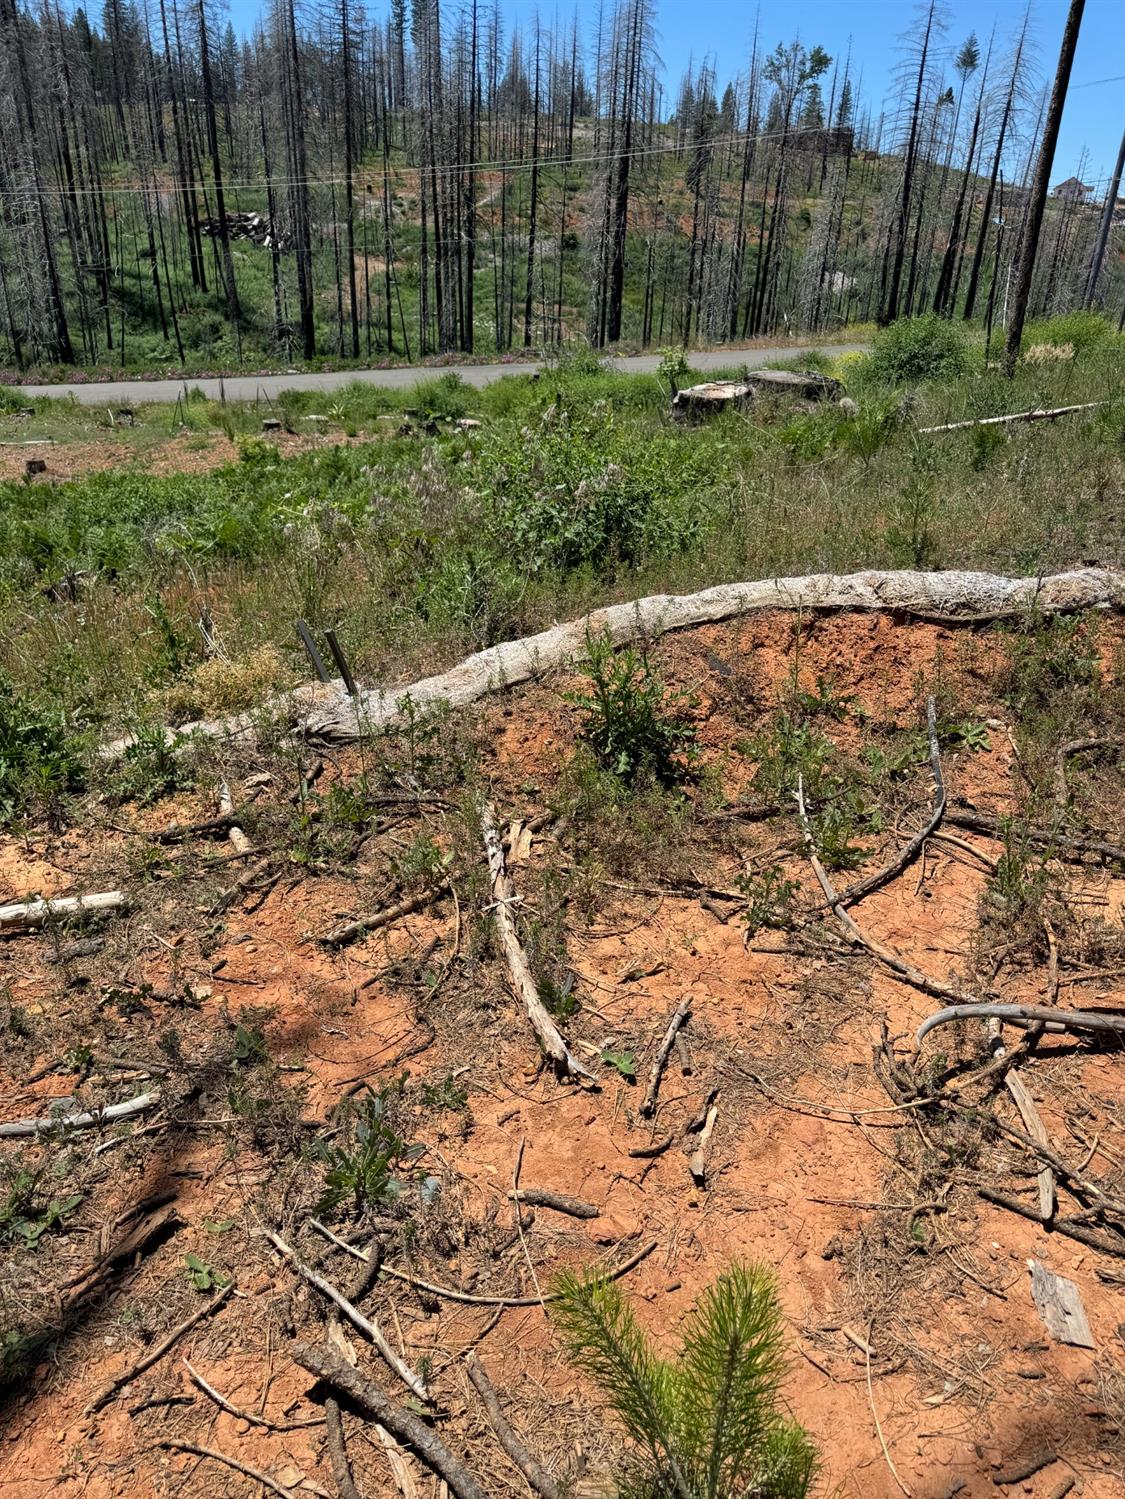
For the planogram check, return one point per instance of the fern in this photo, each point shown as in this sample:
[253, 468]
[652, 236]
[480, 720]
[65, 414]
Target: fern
[706, 1425]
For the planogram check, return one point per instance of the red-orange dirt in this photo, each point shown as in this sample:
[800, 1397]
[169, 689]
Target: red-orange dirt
[918, 1359]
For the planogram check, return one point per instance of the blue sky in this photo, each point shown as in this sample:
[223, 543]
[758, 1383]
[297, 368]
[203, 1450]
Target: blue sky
[722, 30]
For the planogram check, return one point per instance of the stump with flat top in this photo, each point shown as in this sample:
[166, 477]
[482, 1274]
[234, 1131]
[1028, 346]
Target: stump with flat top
[698, 401]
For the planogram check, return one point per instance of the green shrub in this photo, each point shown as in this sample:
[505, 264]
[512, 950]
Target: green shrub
[706, 1424]
[625, 721]
[1081, 330]
[445, 398]
[915, 349]
[39, 753]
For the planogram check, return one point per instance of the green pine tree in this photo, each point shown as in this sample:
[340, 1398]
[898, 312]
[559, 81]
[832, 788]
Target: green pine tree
[705, 1424]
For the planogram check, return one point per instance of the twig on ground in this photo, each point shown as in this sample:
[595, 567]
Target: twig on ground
[561, 1202]
[878, 1427]
[1051, 1019]
[450, 1293]
[369, 1328]
[360, 927]
[108, 1393]
[233, 1410]
[698, 1163]
[896, 963]
[860, 888]
[338, 1452]
[245, 1469]
[1087, 1236]
[335, 1371]
[1059, 843]
[678, 1019]
[536, 1475]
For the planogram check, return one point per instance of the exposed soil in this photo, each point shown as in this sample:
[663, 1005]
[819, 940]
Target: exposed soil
[907, 1294]
[192, 454]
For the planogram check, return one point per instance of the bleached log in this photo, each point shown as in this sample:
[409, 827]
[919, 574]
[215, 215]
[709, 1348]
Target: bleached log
[325, 713]
[1035, 415]
[27, 916]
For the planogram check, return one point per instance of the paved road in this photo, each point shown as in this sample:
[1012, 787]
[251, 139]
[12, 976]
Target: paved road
[249, 387]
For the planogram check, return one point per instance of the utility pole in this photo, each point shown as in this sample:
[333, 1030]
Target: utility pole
[1106, 224]
[1039, 186]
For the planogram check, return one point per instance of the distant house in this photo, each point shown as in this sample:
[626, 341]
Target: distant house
[1072, 190]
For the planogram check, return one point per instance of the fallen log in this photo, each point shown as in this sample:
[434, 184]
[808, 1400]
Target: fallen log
[327, 714]
[339, 1374]
[28, 916]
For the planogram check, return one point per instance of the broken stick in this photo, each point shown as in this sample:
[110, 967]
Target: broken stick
[337, 1372]
[562, 1202]
[536, 1475]
[519, 972]
[678, 1019]
[370, 1329]
[112, 1114]
[105, 1395]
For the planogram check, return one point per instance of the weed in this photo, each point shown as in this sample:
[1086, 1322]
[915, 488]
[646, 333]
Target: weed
[835, 828]
[249, 1046]
[204, 1277]
[559, 1000]
[360, 1169]
[769, 899]
[420, 863]
[624, 1062]
[790, 749]
[629, 721]
[24, 1216]
[1014, 901]
[870, 429]
[152, 765]
[39, 757]
[444, 1096]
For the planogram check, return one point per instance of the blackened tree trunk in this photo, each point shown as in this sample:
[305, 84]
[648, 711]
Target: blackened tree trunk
[1040, 185]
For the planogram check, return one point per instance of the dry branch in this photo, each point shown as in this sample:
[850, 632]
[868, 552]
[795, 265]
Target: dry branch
[856, 892]
[28, 916]
[561, 1202]
[360, 927]
[893, 960]
[1053, 1020]
[326, 714]
[245, 1469]
[1035, 415]
[335, 1371]
[1038, 1131]
[338, 1452]
[519, 972]
[105, 1395]
[1060, 844]
[243, 1415]
[537, 1476]
[449, 1293]
[20, 1128]
[678, 1019]
[370, 1329]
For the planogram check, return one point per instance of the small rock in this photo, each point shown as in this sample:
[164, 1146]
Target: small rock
[833, 1249]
